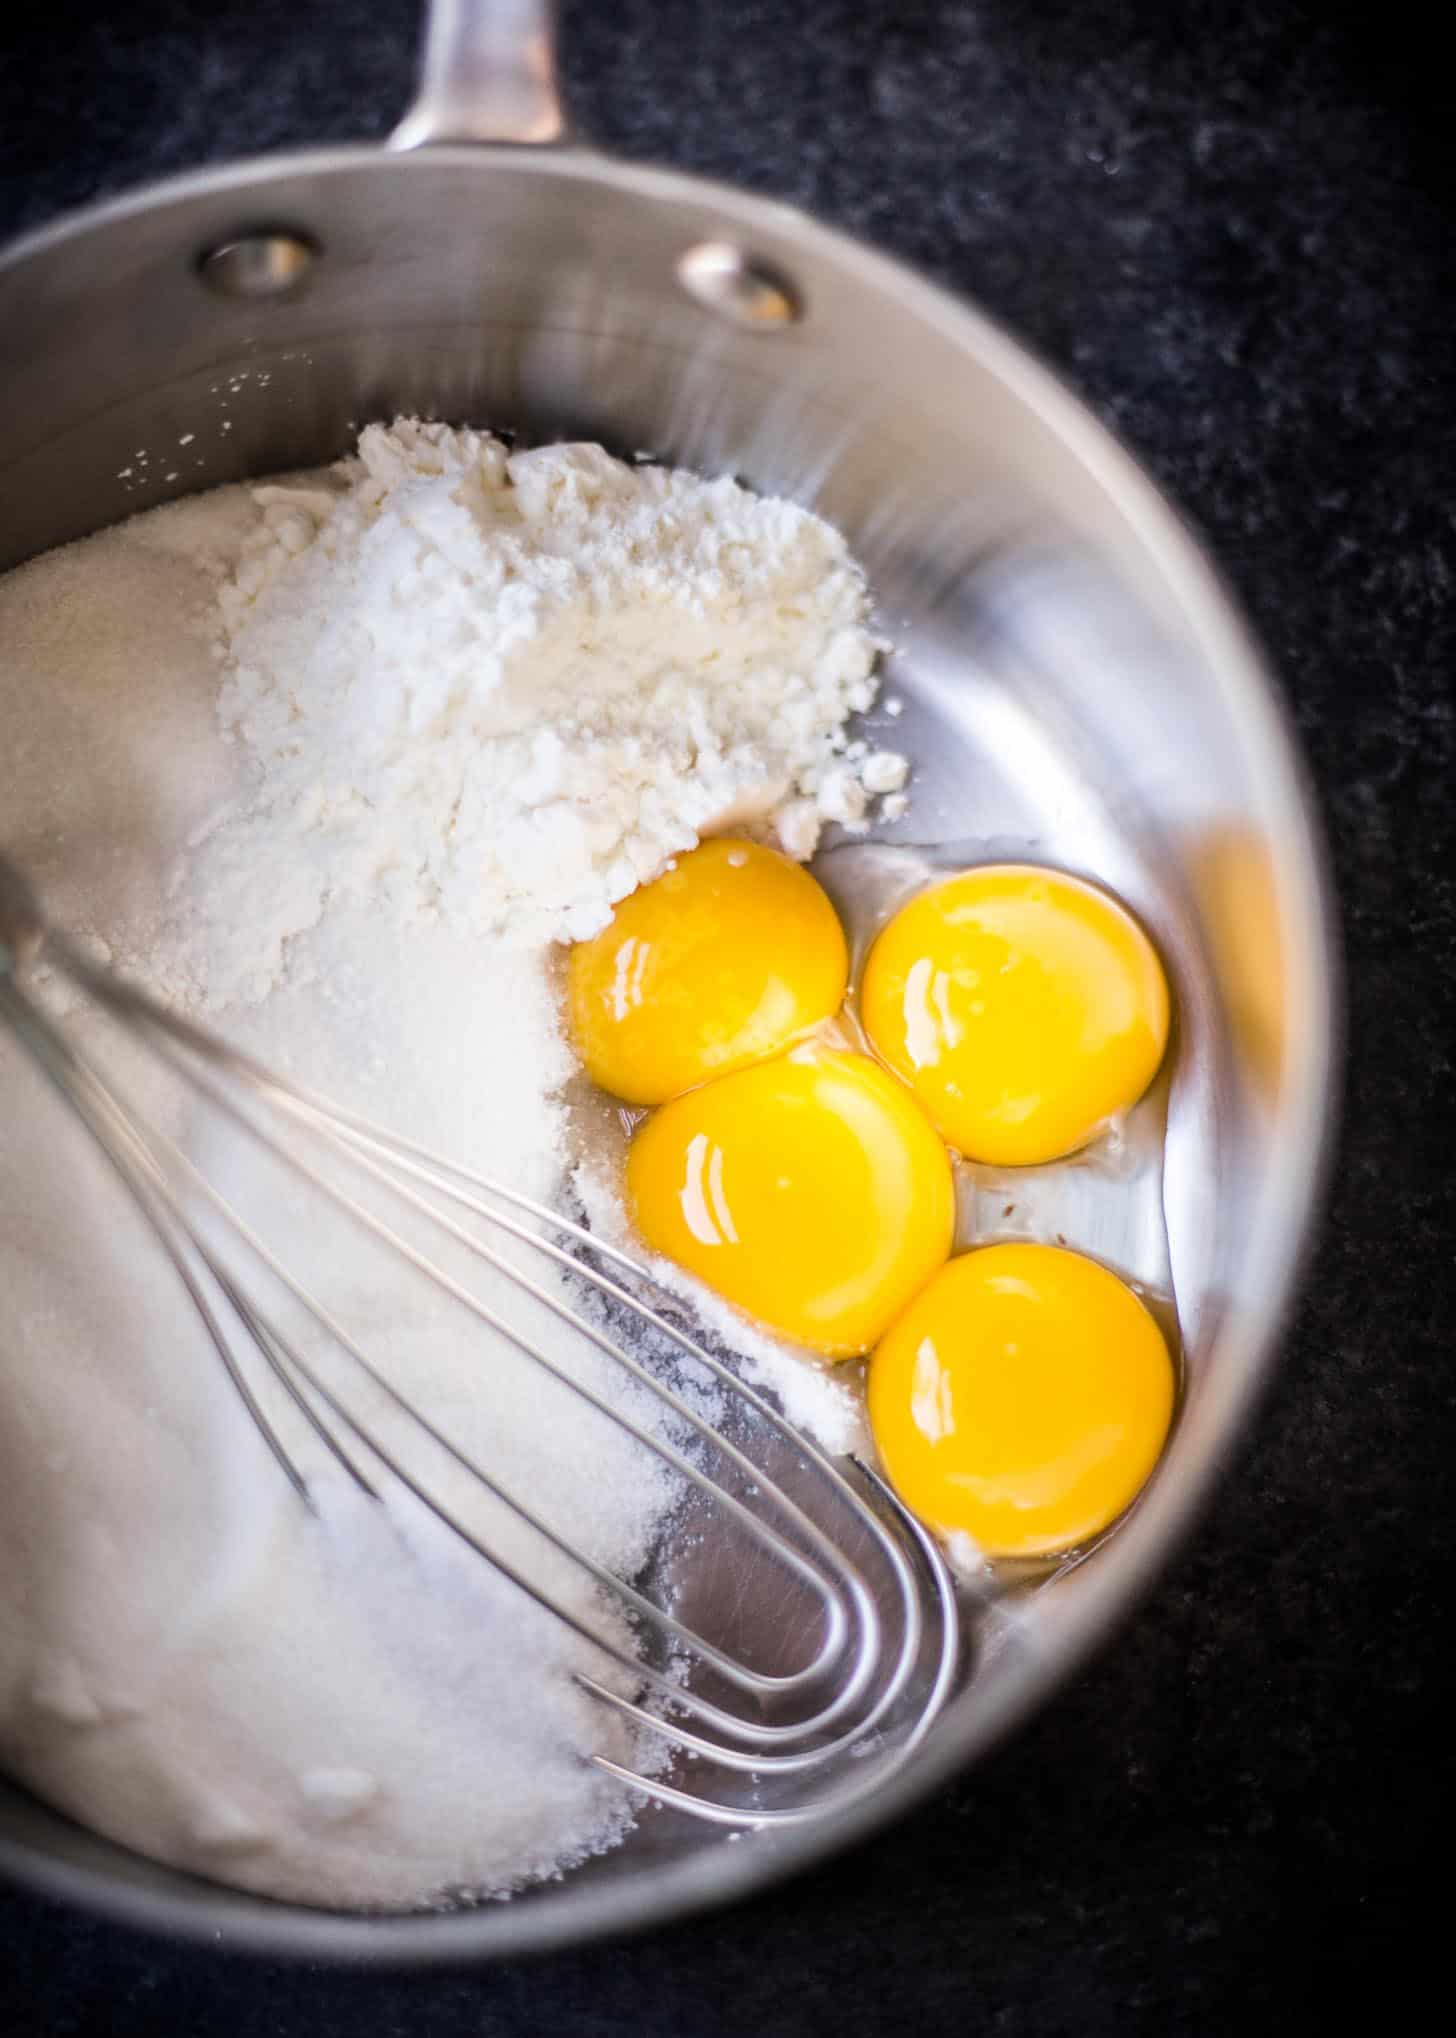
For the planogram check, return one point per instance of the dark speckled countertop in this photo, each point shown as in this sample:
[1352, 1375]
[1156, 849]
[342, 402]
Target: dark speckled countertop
[1229, 225]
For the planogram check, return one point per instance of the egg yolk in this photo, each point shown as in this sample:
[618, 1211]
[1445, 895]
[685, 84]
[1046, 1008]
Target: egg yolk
[810, 1191]
[1023, 1397]
[727, 958]
[1022, 1006]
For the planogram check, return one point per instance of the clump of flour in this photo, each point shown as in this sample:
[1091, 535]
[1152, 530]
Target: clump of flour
[502, 690]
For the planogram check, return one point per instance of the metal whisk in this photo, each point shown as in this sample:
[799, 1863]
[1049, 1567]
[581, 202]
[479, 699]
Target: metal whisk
[867, 1638]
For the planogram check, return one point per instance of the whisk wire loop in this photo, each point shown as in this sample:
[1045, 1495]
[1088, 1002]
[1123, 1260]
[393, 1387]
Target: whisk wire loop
[885, 1618]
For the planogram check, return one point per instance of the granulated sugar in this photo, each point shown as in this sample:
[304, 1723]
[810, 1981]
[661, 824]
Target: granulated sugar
[329, 761]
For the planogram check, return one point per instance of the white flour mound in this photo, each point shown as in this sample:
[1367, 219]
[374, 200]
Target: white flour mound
[302, 755]
[505, 689]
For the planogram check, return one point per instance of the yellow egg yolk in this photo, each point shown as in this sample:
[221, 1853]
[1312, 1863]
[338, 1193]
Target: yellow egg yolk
[1022, 1006]
[1023, 1398]
[727, 958]
[810, 1191]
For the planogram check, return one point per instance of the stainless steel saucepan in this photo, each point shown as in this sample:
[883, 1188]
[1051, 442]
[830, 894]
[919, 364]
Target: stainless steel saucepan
[1075, 682]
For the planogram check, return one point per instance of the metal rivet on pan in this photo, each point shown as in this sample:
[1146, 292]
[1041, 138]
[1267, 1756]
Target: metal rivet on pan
[738, 286]
[258, 265]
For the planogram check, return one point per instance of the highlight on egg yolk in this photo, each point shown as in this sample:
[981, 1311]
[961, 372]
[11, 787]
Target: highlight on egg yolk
[1023, 1007]
[1022, 1398]
[810, 1191]
[727, 958]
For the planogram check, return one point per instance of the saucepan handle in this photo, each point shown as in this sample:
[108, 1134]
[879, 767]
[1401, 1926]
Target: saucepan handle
[488, 75]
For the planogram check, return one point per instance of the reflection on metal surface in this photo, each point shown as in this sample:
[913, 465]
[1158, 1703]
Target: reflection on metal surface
[258, 264]
[747, 291]
[1233, 877]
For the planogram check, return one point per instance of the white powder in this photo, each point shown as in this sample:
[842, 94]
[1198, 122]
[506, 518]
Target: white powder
[503, 690]
[301, 756]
